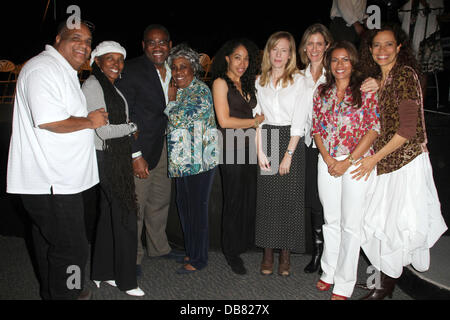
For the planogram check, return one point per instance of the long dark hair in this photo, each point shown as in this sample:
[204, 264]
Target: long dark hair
[404, 58]
[356, 76]
[219, 66]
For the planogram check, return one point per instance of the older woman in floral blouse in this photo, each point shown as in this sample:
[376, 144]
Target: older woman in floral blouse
[192, 143]
[345, 124]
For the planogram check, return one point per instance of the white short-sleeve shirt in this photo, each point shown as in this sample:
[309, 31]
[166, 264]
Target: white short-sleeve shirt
[40, 161]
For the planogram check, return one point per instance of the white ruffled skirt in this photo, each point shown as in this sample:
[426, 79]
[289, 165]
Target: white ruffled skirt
[403, 219]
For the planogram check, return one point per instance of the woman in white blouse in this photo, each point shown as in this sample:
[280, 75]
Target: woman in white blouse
[280, 187]
[315, 41]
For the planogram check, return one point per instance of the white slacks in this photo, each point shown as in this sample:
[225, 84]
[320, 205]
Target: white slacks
[343, 200]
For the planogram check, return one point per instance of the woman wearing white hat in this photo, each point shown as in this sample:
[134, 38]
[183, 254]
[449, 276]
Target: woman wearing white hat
[115, 247]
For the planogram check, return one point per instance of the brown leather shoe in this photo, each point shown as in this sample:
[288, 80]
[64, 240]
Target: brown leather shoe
[386, 289]
[284, 263]
[267, 262]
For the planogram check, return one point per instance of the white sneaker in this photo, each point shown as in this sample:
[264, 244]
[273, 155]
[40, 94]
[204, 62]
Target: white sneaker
[110, 282]
[135, 292]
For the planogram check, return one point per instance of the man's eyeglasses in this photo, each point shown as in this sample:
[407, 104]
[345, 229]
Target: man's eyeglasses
[161, 43]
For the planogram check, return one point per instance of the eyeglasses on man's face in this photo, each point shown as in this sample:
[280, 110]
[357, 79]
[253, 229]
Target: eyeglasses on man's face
[160, 43]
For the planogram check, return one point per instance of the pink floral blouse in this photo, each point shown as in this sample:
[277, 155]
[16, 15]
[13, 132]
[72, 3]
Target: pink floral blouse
[340, 125]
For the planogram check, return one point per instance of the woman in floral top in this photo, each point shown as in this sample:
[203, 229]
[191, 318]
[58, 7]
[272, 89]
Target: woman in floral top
[192, 144]
[345, 124]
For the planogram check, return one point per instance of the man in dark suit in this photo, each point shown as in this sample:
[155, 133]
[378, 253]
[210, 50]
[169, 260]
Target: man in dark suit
[144, 83]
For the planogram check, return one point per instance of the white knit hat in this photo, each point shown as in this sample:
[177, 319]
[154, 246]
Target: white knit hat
[107, 47]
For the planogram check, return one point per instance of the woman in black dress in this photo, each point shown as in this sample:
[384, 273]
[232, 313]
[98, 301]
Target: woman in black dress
[234, 71]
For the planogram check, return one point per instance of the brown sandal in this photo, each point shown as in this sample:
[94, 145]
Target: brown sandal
[267, 262]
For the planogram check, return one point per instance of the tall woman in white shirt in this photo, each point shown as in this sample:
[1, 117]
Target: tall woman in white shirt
[315, 41]
[280, 187]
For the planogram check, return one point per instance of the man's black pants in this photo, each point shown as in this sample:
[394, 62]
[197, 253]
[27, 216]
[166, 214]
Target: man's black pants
[60, 243]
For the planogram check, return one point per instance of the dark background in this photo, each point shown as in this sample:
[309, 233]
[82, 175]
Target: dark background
[205, 25]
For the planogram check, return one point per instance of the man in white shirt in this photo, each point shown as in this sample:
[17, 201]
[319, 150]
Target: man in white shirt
[52, 159]
[347, 19]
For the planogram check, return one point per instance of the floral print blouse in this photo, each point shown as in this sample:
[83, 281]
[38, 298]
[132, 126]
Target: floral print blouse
[341, 125]
[192, 135]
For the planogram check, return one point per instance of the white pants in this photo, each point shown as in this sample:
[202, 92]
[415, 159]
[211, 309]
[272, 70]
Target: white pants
[343, 200]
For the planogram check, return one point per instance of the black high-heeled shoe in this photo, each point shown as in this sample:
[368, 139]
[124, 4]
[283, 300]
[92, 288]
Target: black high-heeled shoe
[236, 264]
[314, 264]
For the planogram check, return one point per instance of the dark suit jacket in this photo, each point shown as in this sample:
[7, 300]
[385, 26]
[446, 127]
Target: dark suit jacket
[142, 88]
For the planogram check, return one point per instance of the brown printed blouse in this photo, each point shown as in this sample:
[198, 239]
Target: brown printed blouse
[402, 85]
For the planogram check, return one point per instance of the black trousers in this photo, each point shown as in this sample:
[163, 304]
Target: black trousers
[115, 246]
[312, 199]
[313, 206]
[60, 243]
[192, 201]
[239, 207]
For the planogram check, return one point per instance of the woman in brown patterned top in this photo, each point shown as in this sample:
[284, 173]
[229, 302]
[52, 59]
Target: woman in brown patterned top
[403, 217]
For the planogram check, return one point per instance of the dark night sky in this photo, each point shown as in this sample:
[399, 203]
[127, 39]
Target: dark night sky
[205, 25]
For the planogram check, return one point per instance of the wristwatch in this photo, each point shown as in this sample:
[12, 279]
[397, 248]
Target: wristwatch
[290, 152]
[133, 127]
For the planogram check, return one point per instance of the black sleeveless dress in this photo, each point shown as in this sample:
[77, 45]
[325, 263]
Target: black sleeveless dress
[238, 170]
